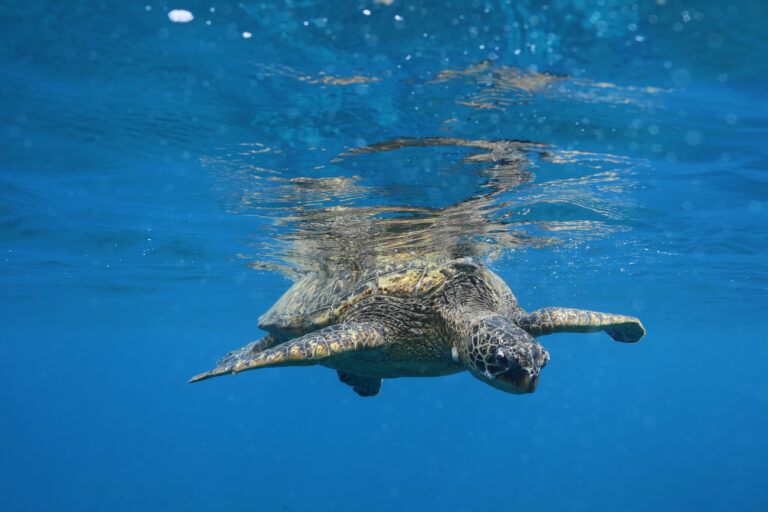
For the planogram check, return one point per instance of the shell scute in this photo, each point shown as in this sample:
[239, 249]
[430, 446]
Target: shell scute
[317, 300]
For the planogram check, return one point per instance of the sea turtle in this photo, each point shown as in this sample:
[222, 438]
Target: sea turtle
[414, 319]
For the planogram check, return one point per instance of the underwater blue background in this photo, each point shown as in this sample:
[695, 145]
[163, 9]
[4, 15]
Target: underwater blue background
[125, 241]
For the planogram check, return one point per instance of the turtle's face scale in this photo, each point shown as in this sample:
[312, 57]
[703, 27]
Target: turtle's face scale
[504, 356]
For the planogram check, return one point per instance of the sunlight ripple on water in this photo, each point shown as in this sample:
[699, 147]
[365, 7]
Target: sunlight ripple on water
[345, 220]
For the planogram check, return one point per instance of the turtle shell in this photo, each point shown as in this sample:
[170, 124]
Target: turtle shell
[319, 299]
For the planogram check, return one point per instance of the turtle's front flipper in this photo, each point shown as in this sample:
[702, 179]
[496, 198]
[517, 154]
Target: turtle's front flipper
[627, 329]
[314, 348]
[249, 350]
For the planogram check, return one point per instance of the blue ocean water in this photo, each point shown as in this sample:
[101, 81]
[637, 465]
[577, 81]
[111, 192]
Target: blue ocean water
[162, 183]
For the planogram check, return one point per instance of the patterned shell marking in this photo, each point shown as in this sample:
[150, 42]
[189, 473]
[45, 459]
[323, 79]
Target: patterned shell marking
[317, 300]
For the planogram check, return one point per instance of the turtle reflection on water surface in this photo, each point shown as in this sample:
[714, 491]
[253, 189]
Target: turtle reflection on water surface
[417, 318]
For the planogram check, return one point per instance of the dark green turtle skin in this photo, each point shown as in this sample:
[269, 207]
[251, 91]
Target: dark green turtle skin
[414, 319]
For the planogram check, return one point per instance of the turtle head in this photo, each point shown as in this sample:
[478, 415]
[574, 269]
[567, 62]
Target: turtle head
[503, 355]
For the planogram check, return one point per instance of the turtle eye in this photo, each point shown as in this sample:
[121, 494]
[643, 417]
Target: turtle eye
[501, 359]
[543, 357]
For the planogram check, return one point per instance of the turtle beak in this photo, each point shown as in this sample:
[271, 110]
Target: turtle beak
[521, 370]
[519, 380]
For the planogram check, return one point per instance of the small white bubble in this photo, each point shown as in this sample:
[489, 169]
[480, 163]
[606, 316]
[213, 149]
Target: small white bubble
[247, 35]
[693, 138]
[398, 17]
[366, 12]
[180, 16]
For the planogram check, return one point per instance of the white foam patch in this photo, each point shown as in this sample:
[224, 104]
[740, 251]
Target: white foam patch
[247, 35]
[180, 16]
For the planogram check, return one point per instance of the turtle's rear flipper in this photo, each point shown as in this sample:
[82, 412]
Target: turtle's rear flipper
[319, 347]
[363, 386]
[544, 321]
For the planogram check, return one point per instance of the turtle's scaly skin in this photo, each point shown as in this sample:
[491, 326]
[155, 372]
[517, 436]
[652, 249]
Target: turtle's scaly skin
[408, 319]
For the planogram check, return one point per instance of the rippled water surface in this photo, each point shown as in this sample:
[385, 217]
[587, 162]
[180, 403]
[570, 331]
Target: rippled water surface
[162, 183]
